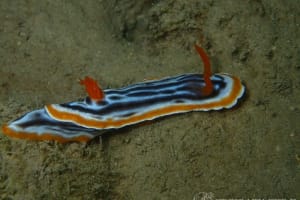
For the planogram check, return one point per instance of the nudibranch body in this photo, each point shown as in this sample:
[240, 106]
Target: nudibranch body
[111, 109]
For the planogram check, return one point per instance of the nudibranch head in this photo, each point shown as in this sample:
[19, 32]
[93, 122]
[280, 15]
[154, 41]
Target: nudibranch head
[92, 88]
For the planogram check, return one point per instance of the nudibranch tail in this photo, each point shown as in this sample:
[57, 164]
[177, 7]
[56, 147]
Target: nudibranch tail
[38, 125]
[208, 88]
[92, 88]
[45, 136]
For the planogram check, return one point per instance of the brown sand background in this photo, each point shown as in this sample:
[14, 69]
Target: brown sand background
[248, 152]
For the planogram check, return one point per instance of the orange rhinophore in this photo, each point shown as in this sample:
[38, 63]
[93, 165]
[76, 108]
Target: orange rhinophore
[92, 88]
[208, 89]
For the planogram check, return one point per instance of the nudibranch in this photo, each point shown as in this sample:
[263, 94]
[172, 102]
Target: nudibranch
[109, 109]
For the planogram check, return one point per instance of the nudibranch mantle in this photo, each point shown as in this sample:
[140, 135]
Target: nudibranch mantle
[149, 100]
[109, 109]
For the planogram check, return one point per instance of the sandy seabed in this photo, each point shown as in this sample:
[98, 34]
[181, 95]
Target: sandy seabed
[251, 151]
